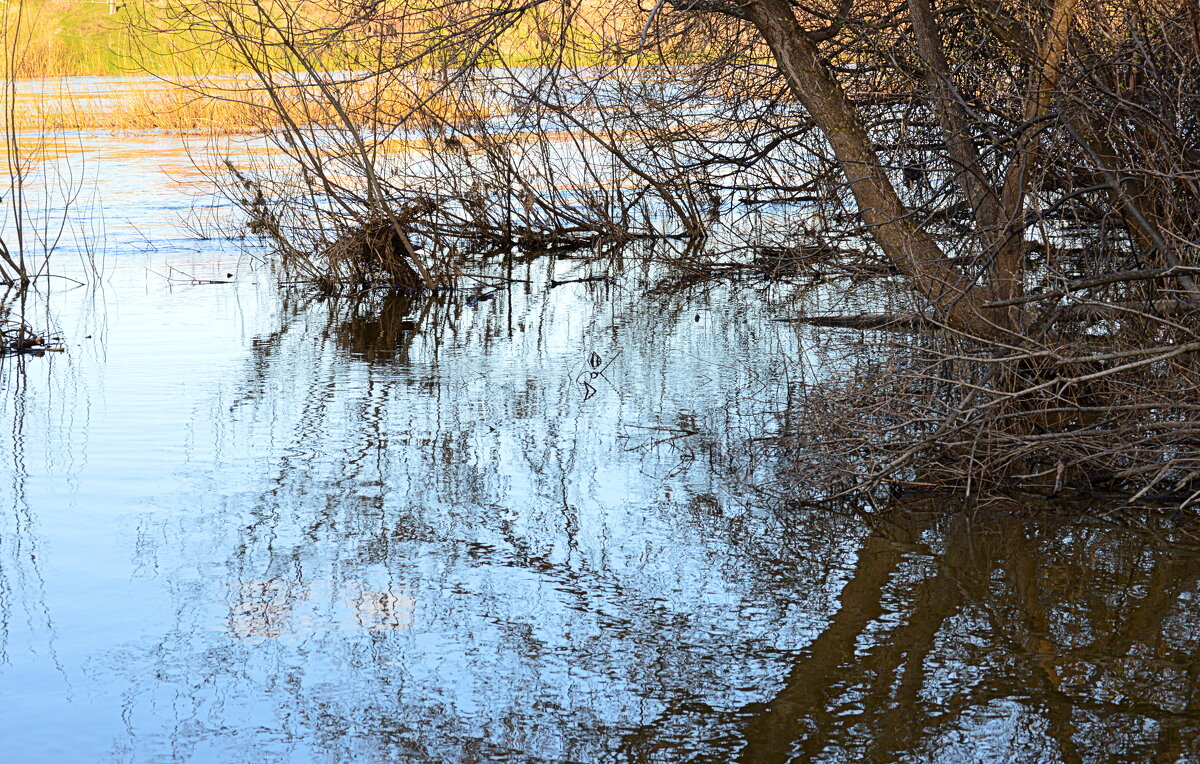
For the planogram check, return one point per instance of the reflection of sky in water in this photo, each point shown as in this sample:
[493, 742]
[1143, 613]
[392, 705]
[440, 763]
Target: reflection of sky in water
[242, 527]
[223, 487]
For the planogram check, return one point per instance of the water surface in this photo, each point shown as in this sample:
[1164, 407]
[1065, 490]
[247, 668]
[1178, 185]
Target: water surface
[241, 524]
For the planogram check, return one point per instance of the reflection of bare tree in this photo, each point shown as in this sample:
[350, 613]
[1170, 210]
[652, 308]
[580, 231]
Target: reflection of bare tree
[378, 611]
[438, 514]
[263, 609]
[22, 585]
[382, 329]
[885, 677]
[18, 520]
[811, 683]
[442, 551]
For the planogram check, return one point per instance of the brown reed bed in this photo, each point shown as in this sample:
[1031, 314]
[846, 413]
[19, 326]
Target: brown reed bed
[224, 105]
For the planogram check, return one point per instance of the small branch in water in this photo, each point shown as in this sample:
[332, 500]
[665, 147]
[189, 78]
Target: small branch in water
[18, 338]
[188, 279]
[560, 282]
[496, 279]
[898, 321]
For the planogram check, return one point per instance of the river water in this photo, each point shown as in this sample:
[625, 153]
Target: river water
[241, 524]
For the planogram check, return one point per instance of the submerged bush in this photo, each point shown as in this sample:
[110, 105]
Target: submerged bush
[1024, 171]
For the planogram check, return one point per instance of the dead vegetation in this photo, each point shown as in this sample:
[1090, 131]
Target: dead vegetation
[226, 105]
[377, 251]
[19, 338]
[1094, 417]
[1023, 171]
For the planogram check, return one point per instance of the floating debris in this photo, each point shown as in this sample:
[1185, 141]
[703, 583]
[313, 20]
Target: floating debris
[18, 338]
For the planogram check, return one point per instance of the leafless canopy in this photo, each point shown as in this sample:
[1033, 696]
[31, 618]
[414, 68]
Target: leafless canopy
[1023, 176]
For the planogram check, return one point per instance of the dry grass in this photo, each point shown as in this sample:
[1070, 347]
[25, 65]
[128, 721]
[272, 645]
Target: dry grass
[223, 106]
[61, 38]
[64, 38]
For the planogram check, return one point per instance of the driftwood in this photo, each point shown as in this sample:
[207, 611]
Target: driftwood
[18, 338]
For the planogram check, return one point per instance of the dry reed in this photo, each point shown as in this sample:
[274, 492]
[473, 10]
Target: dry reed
[226, 107]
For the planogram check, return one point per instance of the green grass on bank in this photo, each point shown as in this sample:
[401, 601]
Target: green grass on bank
[59, 38]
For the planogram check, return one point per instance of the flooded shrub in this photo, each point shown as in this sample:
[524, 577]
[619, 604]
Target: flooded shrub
[1095, 416]
[376, 250]
[1023, 171]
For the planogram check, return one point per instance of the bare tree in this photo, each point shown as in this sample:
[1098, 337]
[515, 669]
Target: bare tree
[1023, 171]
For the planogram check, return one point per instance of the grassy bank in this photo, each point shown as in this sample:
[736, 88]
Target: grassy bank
[60, 38]
[200, 46]
[228, 105]
[176, 82]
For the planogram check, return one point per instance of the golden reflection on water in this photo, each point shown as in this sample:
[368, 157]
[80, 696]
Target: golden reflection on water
[1065, 640]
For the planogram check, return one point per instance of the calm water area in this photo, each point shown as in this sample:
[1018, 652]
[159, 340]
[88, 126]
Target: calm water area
[241, 524]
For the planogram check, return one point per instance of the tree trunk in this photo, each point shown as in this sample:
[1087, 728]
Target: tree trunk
[954, 296]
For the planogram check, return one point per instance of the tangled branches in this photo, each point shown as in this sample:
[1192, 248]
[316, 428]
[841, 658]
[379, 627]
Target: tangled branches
[19, 338]
[1024, 171]
[1110, 410]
